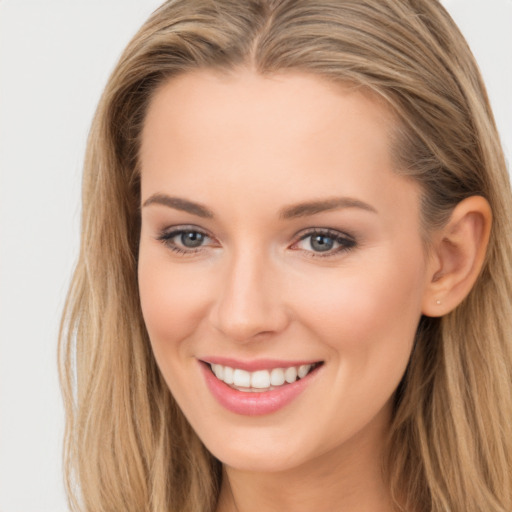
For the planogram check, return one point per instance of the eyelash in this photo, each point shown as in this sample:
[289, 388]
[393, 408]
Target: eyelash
[344, 240]
[166, 237]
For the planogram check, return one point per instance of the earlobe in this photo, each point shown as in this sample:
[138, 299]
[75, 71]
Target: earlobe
[458, 253]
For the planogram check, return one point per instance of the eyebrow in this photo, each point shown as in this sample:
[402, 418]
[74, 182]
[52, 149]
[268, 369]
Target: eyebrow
[179, 204]
[313, 207]
[289, 212]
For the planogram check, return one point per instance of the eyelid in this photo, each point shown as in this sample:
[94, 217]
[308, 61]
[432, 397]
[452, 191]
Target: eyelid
[345, 240]
[167, 234]
[180, 228]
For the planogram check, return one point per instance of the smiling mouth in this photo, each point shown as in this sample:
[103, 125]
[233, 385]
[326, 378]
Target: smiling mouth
[261, 381]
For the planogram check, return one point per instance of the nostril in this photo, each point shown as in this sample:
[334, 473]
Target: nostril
[248, 322]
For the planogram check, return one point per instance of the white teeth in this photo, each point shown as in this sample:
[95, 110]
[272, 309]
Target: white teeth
[218, 370]
[303, 370]
[228, 375]
[241, 378]
[290, 374]
[277, 377]
[260, 380]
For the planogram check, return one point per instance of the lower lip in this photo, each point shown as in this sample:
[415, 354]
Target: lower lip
[254, 403]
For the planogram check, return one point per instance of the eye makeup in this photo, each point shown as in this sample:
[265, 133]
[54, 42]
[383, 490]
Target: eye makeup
[185, 239]
[324, 242]
[315, 242]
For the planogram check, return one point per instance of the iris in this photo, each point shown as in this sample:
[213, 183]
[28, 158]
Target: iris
[321, 243]
[192, 239]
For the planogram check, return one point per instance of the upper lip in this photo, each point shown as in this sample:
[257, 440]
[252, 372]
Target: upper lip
[256, 364]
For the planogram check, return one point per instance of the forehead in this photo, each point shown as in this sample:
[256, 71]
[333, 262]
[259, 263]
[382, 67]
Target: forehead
[281, 137]
[242, 99]
[246, 110]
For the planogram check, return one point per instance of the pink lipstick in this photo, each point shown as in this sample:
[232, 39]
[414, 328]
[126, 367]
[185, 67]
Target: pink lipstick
[258, 387]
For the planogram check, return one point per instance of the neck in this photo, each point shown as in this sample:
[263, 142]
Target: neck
[348, 478]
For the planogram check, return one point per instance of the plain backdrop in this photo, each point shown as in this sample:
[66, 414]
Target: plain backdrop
[55, 57]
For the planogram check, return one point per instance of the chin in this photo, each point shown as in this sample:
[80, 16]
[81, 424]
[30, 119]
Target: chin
[259, 460]
[260, 451]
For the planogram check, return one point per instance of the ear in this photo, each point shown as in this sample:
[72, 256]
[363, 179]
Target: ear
[457, 256]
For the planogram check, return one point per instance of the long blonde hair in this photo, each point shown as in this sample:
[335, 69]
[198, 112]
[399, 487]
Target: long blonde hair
[128, 446]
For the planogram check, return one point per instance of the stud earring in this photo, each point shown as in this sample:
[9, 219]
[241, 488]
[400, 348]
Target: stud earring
[438, 302]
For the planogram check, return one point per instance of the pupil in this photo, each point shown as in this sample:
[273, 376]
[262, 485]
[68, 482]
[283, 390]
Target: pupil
[192, 239]
[322, 243]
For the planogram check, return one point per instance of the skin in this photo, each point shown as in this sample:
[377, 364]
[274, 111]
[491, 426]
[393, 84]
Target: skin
[246, 147]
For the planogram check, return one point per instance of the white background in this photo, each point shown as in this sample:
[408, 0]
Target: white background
[55, 57]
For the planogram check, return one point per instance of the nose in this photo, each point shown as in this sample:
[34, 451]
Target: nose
[249, 304]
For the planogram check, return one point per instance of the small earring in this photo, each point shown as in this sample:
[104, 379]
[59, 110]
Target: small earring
[438, 302]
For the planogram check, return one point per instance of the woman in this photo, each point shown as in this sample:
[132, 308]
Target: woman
[294, 284]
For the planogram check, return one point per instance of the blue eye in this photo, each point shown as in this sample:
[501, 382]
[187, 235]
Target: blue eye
[192, 239]
[321, 243]
[325, 242]
[184, 240]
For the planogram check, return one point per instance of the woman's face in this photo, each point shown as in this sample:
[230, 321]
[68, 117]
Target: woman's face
[277, 239]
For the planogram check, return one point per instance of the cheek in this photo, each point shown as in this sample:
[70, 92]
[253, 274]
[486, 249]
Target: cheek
[371, 306]
[172, 300]
[368, 317]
